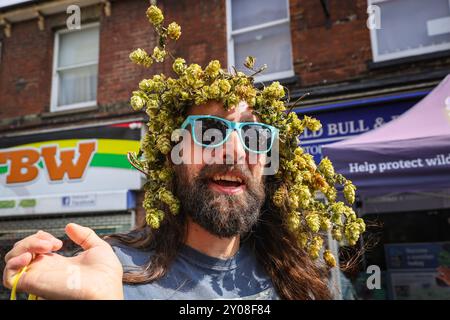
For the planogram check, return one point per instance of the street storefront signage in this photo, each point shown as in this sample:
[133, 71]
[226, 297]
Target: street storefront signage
[413, 270]
[342, 124]
[69, 170]
[113, 200]
[408, 154]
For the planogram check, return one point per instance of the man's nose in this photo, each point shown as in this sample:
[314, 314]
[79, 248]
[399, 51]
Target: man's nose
[234, 150]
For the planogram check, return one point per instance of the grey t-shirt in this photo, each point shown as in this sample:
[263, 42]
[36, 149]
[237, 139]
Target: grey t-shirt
[194, 275]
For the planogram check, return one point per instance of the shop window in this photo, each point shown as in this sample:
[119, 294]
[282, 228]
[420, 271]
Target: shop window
[407, 28]
[260, 28]
[75, 68]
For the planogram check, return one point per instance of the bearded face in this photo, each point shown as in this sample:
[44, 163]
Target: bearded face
[224, 214]
[223, 198]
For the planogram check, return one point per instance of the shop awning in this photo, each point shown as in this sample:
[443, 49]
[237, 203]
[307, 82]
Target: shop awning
[408, 154]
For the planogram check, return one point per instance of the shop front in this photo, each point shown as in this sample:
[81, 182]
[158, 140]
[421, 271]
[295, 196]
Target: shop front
[402, 171]
[344, 120]
[81, 175]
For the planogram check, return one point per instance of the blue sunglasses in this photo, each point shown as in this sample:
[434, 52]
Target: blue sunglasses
[212, 132]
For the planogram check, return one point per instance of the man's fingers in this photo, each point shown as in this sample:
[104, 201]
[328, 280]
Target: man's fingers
[14, 266]
[84, 237]
[20, 261]
[33, 244]
[41, 235]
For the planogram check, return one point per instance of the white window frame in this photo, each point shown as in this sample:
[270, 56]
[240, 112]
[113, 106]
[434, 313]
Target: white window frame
[404, 53]
[55, 75]
[230, 42]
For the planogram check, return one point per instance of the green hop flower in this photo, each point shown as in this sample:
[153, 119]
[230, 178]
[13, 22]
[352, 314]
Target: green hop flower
[325, 224]
[159, 54]
[154, 15]
[137, 102]
[169, 199]
[329, 258]
[163, 144]
[154, 218]
[315, 246]
[337, 234]
[174, 31]
[278, 197]
[249, 62]
[312, 124]
[326, 167]
[140, 57]
[179, 66]
[349, 192]
[224, 86]
[313, 221]
[212, 69]
[274, 91]
[302, 240]
[293, 221]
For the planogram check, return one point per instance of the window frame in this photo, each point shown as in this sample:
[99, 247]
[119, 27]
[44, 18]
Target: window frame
[55, 72]
[230, 43]
[400, 54]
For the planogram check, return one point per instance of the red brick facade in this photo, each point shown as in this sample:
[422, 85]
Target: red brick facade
[324, 52]
[27, 58]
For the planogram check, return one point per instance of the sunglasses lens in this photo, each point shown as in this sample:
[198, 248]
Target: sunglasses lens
[257, 138]
[210, 131]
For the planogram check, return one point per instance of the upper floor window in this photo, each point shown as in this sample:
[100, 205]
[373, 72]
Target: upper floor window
[75, 68]
[409, 28]
[260, 28]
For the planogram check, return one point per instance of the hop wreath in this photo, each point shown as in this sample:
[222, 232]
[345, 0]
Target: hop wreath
[165, 100]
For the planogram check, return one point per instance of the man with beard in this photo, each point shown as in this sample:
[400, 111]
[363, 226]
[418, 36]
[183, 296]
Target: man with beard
[222, 227]
[225, 243]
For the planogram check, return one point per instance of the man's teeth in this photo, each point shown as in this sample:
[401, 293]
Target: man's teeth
[227, 178]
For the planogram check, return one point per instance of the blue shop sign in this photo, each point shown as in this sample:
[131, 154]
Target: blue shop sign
[349, 122]
[417, 255]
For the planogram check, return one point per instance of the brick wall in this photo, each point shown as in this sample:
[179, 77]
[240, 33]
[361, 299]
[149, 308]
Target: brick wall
[340, 50]
[126, 29]
[26, 69]
[26, 66]
[336, 52]
[324, 52]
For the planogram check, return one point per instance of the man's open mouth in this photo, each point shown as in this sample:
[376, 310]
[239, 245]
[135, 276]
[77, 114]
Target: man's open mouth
[227, 183]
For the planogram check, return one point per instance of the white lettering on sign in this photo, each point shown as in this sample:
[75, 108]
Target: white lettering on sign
[382, 167]
[347, 128]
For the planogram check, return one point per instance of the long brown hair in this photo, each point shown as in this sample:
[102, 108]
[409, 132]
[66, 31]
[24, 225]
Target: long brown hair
[293, 273]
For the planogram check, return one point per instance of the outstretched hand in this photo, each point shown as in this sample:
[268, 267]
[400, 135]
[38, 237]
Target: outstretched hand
[96, 273]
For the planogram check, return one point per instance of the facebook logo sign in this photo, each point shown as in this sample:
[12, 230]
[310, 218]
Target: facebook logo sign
[65, 201]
